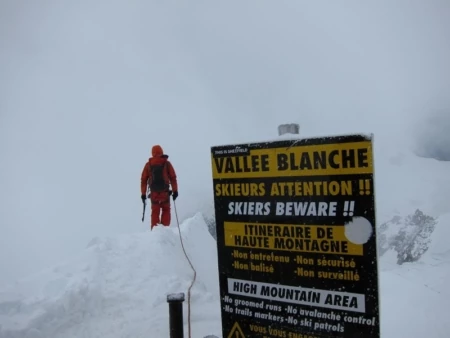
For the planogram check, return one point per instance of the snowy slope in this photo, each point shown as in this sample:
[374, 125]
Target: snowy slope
[415, 296]
[405, 182]
[414, 301]
[117, 288]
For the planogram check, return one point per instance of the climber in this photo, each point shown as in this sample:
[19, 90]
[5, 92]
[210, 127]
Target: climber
[157, 177]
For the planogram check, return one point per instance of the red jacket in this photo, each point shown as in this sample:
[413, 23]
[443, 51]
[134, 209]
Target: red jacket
[158, 157]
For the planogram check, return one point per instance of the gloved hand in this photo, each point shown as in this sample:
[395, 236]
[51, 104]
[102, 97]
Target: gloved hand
[175, 195]
[143, 198]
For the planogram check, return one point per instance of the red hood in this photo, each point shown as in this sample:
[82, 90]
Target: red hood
[157, 152]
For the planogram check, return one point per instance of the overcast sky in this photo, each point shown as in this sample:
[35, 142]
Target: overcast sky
[87, 87]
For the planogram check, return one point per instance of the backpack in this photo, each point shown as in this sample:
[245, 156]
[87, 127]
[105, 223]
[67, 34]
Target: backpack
[157, 181]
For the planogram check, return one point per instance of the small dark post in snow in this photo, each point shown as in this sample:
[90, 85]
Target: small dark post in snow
[175, 301]
[291, 128]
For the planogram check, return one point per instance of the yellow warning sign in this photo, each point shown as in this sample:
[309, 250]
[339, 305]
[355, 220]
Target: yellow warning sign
[236, 332]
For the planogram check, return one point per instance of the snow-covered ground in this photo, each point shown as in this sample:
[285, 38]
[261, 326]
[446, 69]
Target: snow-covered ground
[118, 286]
[415, 296]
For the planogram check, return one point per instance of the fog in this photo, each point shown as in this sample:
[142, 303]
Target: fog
[433, 137]
[87, 88]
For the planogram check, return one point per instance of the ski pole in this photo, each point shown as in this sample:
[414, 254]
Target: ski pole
[143, 212]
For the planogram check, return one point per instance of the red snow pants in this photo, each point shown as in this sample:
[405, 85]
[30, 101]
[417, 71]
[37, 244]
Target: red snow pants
[160, 208]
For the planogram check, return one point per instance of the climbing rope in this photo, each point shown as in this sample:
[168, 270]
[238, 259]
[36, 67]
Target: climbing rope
[193, 269]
